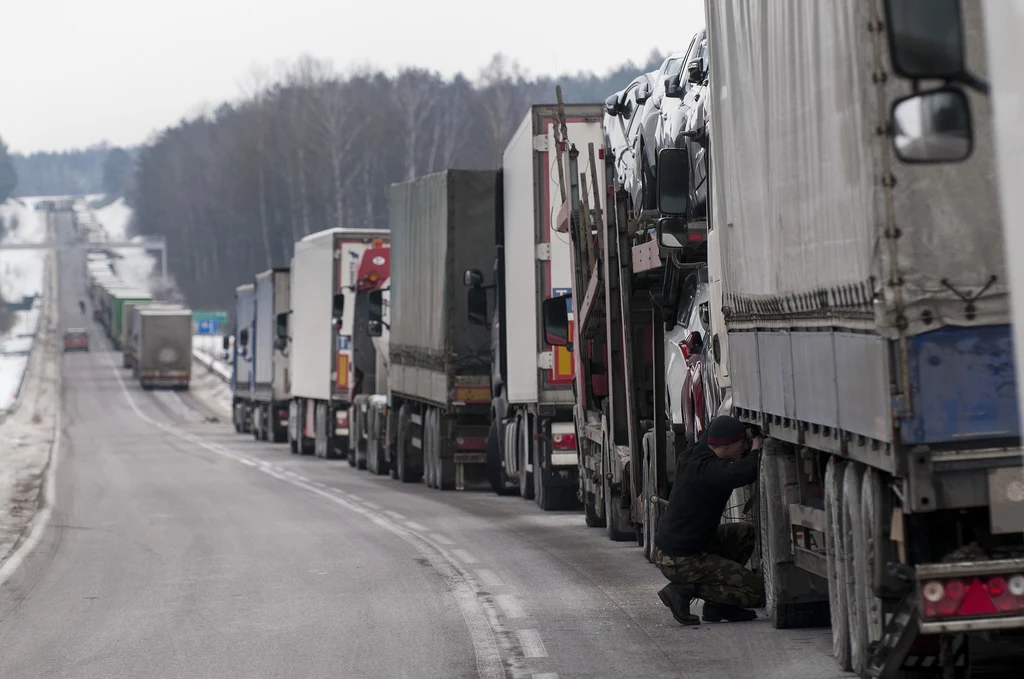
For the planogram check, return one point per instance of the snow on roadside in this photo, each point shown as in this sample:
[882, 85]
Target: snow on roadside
[208, 384]
[28, 434]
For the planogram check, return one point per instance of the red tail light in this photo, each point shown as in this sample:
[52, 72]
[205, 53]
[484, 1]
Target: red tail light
[563, 442]
[342, 418]
[600, 153]
[973, 597]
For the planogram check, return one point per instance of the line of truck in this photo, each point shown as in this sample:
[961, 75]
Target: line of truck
[155, 338]
[815, 266]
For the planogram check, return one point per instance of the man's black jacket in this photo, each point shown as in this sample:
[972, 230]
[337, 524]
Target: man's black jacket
[704, 482]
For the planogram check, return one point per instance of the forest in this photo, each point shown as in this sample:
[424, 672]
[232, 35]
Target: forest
[233, 188]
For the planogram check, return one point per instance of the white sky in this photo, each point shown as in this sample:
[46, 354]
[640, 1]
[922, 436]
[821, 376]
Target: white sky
[76, 72]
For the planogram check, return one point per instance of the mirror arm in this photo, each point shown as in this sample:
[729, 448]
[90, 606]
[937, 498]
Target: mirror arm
[974, 82]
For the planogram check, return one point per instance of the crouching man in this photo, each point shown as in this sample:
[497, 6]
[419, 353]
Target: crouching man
[702, 557]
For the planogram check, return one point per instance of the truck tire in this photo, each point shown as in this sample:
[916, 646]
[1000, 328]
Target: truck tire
[496, 475]
[853, 550]
[257, 423]
[876, 552]
[525, 431]
[444, 466]
[651, 510]
[590, 516]
[407, 469]
[836, 562]
[427, 446]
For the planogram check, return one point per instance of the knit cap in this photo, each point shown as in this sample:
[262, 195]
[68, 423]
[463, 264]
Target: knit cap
[724, 430]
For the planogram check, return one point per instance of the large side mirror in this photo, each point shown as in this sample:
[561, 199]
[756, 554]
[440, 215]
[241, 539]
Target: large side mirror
[555, 314]
[673, 90]
[926, 38]
[472, 278]
[643, 93]
[611, 105]
[476, 301]
[375, 328]
[694, 73]
[338, 307]
[673, 181]
[282, 327]
[376, 307]
[932, 127]
[243, 337]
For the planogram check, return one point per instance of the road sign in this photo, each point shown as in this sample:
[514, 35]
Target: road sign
[220, 317]
[206, 327]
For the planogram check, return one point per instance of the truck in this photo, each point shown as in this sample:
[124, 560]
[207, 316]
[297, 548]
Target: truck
[241, 359]
[115, 317]
[164, 348]
[130, 329]
[369, 399]
[863, 323]
[269, 394]
[442, 225]
[531, 442]
[319, 337]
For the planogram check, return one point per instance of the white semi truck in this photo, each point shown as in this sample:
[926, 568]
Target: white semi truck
[269, 394]
[532, 439]
[241, 362]
[320, 329]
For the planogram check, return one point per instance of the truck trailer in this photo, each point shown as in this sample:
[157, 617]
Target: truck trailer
[864, 316]
[442, 224]
[241, 359]
[269, 396]
[532, 440]
[321, 329]
[164, 348]
[130, 330]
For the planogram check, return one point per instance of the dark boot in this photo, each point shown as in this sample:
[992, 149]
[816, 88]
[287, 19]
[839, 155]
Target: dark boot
[719, 612]
[678, 597]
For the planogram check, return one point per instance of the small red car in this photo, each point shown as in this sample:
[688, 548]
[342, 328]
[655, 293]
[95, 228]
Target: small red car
[76, 339]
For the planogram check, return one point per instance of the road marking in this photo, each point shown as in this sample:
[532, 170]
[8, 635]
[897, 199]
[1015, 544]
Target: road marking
[531, 642]
[488, 577]
[394, 515]
[371, 505]
[510, 606]
[440, 539]
[465, 556]
[478, 615]
[545, 675]
[302, 478]
[415, 526]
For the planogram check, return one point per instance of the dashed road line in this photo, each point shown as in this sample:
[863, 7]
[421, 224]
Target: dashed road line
[441, 539]
[488, 577]
[416, 526]
[394, 515]
[465, 556]
[545, 675]
[371, 505]
[533, 646]
[509, 606]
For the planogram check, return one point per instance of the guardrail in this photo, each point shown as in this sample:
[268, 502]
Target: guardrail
[218, 368]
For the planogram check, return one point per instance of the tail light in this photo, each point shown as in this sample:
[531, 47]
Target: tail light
[972, 596]
[563, 441]
[341, 417]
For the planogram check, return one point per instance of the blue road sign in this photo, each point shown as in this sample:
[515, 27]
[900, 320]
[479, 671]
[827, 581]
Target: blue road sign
[206, 327]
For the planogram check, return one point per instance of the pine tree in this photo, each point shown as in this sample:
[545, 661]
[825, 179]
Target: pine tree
[8, 177]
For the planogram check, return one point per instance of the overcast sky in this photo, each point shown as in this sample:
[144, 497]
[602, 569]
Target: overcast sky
[76, 72]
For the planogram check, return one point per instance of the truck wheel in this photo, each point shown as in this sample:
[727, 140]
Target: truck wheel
[590, 513]
[257, 423]
[525, 448]
[876, 552]
[616, 517]
[853, 550]
[651, 510]
[408, 471]
[235, 419]
[836, 562]
[495, 469]
[427, 446]
[444, 467]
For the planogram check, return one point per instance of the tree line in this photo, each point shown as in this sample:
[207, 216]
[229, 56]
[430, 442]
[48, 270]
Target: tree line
[233, 188]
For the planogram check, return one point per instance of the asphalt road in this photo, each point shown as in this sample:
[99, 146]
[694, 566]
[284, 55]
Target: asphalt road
[179, 549]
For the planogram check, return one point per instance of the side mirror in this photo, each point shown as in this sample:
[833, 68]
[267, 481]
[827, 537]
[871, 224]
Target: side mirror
[337, 309]
[472, 278]
[243, 337]
[694, 73]
[282, 327]
[672, 88]
[643, 93]
[226, 343]
[376, 307]
[476, 301]
[673, 181]
[375, 328]
[932, 127]
[611, 105]
[555, 314]
[926, 38]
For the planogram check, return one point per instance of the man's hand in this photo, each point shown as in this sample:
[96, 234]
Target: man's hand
[755, 443]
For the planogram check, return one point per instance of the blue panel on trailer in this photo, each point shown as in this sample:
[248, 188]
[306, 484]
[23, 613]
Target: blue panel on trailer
[964, 386]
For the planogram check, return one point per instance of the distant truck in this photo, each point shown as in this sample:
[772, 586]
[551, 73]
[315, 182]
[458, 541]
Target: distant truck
[269, 394]
[129, 328]
[532, 439]
[439, 374]
[319, 337]
[241, 359]
[165, 348]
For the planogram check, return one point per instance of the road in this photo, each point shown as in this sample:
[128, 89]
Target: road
[178, 548]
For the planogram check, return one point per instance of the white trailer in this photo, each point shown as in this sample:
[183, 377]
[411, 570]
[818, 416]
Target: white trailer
[321, 376]
[271, 300]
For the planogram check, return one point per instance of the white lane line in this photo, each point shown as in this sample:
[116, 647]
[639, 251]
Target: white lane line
[465, 556]
[488, 578]
[394, 515]
[509, 606]
[302, 478]
[371, 505]
[415, 526]
[440, 539]
[477, 616]
[531, 642]
[545, 675]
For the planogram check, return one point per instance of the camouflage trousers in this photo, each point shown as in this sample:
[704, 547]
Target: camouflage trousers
[719, 574]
